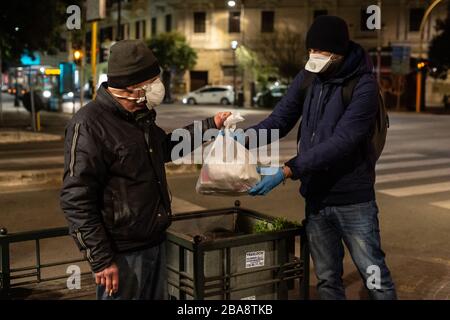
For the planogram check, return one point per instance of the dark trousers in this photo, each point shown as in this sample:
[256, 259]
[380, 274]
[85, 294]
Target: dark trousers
[357, 227]
[142, 275]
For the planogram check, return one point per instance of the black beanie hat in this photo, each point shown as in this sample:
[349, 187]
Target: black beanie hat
[328, 33]
[130, 62]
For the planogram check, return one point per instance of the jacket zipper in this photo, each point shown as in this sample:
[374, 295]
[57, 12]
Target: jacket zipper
[316, 114]
[81, 241]
[72, 150]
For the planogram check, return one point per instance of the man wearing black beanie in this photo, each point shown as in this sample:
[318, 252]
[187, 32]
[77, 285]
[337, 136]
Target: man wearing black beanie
[115, 194]
[340, 140]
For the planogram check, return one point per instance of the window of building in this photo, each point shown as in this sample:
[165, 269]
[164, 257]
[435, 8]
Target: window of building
[234, 22]
[124, 31]
[199, 22]
[415, 18]
[267, 21]
[137, 30]
[140, 29]
[168, 22]
[154, 21]
[106, 34]
[320, 12]
[144, 29]
[364, 17]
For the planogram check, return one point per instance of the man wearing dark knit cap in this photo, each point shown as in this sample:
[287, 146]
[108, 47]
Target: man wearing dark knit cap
[336, 158]
[115, 195]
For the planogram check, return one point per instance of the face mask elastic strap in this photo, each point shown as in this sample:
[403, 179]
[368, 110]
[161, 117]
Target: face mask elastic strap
[138, 100]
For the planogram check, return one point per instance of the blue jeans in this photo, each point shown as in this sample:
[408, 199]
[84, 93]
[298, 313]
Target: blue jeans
[142, 275]
[357, 227]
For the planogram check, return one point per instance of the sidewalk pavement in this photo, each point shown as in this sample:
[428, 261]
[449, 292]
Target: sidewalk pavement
[15, 129]
[18, 119]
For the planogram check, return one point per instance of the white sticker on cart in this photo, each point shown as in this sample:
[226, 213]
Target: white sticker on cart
[249, 298]
[254, 259]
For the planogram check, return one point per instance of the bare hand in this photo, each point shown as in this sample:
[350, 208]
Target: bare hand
[287, 172]
[109, 277]
[220, 118]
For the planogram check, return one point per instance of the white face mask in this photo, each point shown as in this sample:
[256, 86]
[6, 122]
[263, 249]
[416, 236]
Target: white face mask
[318, 62]
[154, 94]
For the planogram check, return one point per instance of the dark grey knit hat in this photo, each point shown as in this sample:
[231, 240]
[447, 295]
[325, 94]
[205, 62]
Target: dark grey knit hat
[131, 62]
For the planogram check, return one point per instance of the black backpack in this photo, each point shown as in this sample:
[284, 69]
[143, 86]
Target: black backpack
[382, 124]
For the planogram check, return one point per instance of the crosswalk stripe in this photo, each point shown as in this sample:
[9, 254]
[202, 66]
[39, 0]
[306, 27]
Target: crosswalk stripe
[404, 176]
[417, 190]
[413, 163]
[396, 156]
[442, 204]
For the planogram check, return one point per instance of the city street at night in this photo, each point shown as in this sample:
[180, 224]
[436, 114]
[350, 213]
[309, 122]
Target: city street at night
[413, 193]
[141, 159]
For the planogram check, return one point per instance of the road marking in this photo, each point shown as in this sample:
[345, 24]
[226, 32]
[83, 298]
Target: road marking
[401, 156]
[442, 204]
[403, 176]
[413, 163]
[417, 190]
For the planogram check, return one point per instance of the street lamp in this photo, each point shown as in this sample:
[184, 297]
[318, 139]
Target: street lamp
[234, 45]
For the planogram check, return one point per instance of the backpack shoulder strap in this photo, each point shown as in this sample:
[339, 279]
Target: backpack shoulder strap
[347, 90]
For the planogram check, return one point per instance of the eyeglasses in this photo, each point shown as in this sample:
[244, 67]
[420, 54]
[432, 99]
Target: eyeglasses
[140, 99]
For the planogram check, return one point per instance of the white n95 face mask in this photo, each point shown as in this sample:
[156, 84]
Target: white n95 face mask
[154, 93]
[318, 62]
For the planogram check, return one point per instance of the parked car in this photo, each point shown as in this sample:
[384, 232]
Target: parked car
[269, 98]
[210, 95]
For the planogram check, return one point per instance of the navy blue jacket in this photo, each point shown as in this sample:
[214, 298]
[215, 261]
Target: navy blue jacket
[335, 160]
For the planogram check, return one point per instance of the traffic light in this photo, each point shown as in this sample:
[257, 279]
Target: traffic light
[422, 64]
[77, 56]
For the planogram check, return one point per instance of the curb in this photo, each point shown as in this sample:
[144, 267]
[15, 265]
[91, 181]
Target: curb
[27, 177]
[174, 169]
[31, 177]
[16, 136]
[43, 176]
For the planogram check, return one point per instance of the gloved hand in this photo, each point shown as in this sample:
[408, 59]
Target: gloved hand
[267, 183]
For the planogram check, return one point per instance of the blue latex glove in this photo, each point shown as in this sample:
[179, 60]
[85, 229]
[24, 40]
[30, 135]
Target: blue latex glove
[267, 183]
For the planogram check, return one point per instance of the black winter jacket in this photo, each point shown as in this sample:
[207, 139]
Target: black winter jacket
[115, 195]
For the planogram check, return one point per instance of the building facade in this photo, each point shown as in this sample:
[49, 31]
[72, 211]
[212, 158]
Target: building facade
[211, 25]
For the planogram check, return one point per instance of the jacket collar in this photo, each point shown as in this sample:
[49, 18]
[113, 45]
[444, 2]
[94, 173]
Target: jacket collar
[108, 102]
[356, 62]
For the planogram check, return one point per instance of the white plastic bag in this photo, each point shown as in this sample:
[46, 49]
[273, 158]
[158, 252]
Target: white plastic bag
[229, 168]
